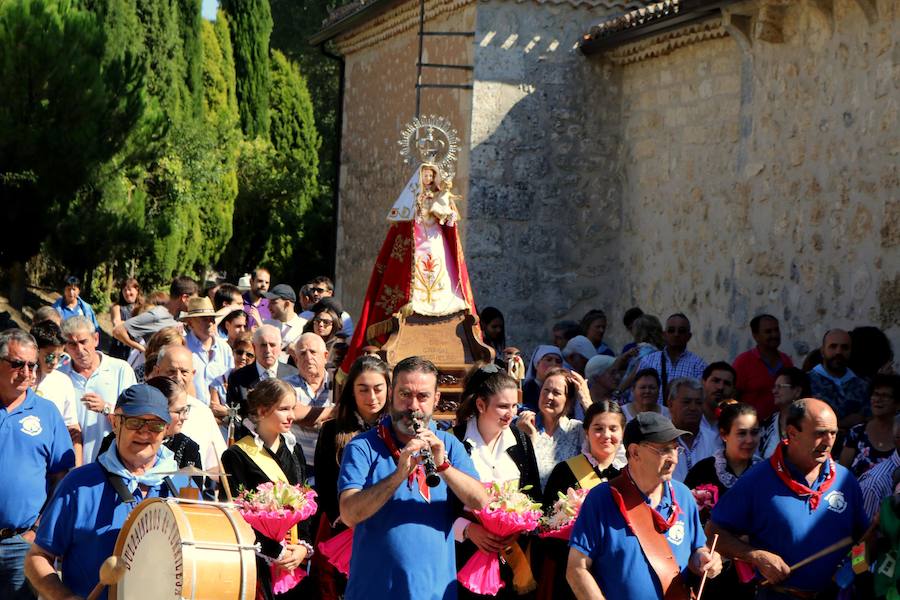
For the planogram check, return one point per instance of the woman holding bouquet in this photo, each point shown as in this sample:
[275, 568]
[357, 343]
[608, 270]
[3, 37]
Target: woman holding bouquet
[712, 477]
[602, 458]
[362, 403]
[270, 453]
[499, 452]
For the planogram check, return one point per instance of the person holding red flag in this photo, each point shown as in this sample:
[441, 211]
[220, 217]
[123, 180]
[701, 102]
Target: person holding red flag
[792, 506]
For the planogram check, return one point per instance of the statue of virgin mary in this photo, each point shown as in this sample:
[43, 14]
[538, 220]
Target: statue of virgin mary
[420, 268]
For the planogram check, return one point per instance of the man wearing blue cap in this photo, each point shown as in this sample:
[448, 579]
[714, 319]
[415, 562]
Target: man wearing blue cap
[640, 531]
[82, 521]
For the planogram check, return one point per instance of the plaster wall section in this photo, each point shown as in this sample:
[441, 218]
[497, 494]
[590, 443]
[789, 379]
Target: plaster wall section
[762, 176]
[545, 200]
[380, 98]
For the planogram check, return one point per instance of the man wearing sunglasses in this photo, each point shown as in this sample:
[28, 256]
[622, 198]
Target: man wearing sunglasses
[82, 521]
[37, 453]
[51, 384]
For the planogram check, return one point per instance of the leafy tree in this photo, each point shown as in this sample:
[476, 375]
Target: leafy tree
[278, 181]
[64, 111]
[251, 26]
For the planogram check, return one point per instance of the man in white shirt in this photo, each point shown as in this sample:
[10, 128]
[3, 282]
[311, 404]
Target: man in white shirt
[53, 385]
[177, 362]
[314, 392]
[281, 304]
[98, 380]
[686, 406]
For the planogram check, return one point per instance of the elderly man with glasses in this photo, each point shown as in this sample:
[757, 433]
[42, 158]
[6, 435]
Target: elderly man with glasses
[37, 453]
[83, 519]
[641, 531]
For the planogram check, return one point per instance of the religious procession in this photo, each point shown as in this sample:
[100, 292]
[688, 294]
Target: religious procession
[525, 212]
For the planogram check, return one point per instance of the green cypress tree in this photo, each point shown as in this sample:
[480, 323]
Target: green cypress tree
[251, 26]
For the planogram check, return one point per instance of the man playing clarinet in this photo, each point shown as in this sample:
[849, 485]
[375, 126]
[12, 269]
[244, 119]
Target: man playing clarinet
[403, 536]
[793, 507]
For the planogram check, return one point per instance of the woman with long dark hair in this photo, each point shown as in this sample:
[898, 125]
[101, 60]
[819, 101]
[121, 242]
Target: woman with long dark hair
[362, 403]
[499, 452]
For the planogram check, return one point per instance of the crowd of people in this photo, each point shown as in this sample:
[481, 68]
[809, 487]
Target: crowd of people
[779, 464]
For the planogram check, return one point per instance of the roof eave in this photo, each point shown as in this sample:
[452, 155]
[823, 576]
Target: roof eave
[353, 20]
[590, 46]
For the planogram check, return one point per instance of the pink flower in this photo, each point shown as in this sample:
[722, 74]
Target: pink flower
[706, 496]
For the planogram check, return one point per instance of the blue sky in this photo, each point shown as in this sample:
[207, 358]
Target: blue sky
[209, 9]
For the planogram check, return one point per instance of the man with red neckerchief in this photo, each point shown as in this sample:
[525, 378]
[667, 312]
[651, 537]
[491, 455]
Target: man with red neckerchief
[795, 504]
[639, 535]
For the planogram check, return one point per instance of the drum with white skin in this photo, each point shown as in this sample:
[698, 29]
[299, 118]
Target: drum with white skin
[174, 548]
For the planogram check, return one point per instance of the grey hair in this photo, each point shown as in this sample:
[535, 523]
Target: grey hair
[796, 414]
[19, 336]
[77, 323]
[681, 382]
[257, 335]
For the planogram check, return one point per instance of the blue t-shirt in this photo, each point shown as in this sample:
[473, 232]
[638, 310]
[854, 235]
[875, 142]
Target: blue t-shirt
[618, 564]
[34, 443]
[82, 308]
[82, 522]
[405, 550]
[762, 507]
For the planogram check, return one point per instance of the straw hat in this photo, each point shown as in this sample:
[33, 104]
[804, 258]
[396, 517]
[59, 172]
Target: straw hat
[198, 307]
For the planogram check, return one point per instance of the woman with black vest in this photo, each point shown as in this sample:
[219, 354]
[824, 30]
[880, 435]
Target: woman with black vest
[500, 453]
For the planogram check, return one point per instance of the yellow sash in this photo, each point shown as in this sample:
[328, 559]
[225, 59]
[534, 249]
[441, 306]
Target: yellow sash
[584, 472]
[269, 466]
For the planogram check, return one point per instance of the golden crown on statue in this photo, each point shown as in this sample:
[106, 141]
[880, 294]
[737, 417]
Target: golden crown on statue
[430, 139]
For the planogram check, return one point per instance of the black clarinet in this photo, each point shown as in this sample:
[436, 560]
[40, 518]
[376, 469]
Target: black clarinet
[432, 479]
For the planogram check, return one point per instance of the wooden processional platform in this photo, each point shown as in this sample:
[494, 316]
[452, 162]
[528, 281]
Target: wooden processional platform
[449, 342]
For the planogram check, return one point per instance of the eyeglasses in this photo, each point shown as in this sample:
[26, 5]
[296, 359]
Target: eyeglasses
[51, 358]
[18, 365]
[246, 353]
[317, 290]
[321, 321]
[183, 412]
[668, 451]
[137, 423]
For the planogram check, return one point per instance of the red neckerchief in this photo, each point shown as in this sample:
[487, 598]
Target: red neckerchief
[661, 525]
[384, 432]
[777, 462]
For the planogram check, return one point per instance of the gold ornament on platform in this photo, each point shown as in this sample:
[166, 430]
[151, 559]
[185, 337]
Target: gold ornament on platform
[430, 140]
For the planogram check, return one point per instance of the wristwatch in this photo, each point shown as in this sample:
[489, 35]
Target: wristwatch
[106, 409]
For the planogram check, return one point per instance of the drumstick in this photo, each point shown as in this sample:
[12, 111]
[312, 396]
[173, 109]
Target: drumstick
[224, 479]
[111, 572]
[712, 550]
[847, 541]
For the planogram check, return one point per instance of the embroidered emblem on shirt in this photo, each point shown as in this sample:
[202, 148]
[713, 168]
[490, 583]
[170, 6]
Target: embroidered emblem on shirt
[836, 502]
[676, 533]
[31, 425]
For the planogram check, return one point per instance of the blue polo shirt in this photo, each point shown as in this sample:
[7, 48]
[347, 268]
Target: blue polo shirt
[405, 550]
[618, 564]
[109, 379]
[209, 364]
[762, 507]
[83, 520]
[82, 308]
[34, 443]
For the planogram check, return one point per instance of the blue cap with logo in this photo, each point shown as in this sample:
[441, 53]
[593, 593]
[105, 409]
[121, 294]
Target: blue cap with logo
[143, 399]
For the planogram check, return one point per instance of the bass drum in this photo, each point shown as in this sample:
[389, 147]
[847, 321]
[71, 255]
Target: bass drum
[174, 549]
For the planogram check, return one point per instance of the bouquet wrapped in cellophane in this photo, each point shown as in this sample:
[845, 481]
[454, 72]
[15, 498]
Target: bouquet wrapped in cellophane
[558, 524]
[510, 511]
[273, 509]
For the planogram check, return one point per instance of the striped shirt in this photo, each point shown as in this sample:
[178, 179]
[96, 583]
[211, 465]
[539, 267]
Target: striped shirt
[687, 365]
[877, 484]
